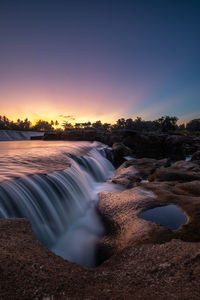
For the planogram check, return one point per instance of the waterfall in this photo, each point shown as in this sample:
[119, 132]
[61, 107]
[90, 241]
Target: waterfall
[61, 205]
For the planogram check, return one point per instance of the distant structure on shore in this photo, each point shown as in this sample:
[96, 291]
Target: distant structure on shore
[83, 125]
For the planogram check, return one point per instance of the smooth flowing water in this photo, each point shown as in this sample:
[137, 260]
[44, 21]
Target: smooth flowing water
[55, 185]
[170, 216]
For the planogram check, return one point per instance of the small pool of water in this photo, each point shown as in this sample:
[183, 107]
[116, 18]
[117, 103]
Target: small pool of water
[170, 216]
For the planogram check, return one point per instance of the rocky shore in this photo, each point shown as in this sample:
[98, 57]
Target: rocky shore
[138, 259]
[142, 144]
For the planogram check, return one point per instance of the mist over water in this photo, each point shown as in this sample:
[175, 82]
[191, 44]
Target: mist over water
[55, 186]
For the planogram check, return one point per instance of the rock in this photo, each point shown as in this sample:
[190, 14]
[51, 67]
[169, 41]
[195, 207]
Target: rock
[126, 176]
[196, 156]
[191, 188]
[144, 145]
[178, 146]
[182, 171]
[120, 214]
[119, 151]
[136, 170]
[146, 166]
[187, 197]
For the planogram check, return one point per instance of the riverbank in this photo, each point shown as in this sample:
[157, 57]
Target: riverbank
[139, 259]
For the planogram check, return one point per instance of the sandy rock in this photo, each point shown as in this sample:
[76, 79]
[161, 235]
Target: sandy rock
[120, 214]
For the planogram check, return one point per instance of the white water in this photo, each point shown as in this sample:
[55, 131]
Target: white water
[61, 204]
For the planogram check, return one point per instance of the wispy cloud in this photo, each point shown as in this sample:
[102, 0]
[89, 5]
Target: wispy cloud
[69, 117]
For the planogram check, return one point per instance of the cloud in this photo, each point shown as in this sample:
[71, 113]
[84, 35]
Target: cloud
[69, 117]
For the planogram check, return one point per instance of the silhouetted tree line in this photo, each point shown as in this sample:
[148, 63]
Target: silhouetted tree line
[164, 124]
[25, 124]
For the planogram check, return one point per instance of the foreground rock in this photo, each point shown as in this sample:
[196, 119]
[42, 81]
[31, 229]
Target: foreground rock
[161, 271]
[120, 214]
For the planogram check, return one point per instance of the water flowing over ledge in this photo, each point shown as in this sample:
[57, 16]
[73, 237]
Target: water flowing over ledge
[61, 205]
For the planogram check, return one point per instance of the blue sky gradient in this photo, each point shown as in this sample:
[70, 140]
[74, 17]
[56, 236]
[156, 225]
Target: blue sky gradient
[100, 59]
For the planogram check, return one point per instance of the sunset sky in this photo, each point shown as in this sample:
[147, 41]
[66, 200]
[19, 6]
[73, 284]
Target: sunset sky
[99, 59]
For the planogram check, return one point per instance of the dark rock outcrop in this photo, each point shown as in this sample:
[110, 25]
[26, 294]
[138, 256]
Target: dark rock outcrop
[196, 156]
[119, 151]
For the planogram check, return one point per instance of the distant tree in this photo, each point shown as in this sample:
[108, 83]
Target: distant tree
[27, 124]
[106, 126]
[121, 123]
[66, 125]
[43, 126]
[150, 126]
[139, 124]
[97, 124]
[129, 123]
[56, 123]
[166, 123]
[193, 125]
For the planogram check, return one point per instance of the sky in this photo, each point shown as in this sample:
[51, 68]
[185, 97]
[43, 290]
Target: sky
[85, 60]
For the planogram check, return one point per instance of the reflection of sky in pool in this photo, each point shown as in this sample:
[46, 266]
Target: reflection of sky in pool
[170, 216]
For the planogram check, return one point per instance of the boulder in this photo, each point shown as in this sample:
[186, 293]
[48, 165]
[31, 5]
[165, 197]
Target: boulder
[145, 166]
[119, 151]
[126, 176]
[182, 171]
[196, 156]
[136, 170]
